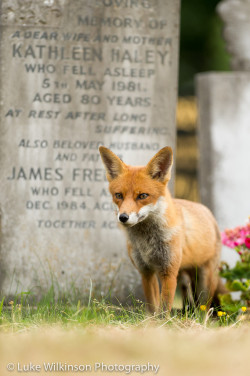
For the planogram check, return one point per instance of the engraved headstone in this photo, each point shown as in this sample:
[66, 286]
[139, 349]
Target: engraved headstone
[76, 75]
[224, 129]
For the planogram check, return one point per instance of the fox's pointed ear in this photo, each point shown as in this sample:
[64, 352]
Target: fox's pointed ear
[159, 167]
[113, 164]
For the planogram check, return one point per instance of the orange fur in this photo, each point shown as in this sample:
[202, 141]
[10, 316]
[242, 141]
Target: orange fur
[167, 237]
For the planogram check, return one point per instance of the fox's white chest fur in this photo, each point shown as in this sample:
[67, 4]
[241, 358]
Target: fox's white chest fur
[150, 243]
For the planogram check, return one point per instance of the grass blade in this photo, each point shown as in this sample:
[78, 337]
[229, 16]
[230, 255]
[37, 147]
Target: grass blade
[1, 305]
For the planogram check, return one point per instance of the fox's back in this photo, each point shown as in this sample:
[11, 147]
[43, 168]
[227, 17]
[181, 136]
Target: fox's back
[201, 236]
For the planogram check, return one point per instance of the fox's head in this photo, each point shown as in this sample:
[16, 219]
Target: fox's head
[138, 191]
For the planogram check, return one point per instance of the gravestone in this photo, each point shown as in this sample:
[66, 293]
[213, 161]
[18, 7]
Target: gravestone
[224, 111]
[236, 15]
[76, 75]
[224, 129]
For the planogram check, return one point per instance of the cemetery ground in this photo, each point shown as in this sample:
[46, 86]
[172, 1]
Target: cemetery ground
[99, 337]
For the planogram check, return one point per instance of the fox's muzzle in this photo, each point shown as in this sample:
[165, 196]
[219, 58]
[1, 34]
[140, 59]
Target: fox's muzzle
[123, 217]
[130, 219]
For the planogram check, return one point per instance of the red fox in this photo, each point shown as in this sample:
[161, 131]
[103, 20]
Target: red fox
[166, 237]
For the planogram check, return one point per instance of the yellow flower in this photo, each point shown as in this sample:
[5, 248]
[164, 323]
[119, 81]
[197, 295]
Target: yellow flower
[11, 302]
[203, 307]
[221, 313]
[243, 309]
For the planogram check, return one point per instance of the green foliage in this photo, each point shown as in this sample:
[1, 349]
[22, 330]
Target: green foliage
[240, 271]
[202, 47]
[237, 277]
[230, 305]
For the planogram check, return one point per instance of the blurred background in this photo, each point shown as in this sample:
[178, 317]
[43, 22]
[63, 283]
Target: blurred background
[202, 49]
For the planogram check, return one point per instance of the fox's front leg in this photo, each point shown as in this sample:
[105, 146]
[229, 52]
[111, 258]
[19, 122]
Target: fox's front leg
[168, 277]
[149, 282]
[151, 291]
[168, 288]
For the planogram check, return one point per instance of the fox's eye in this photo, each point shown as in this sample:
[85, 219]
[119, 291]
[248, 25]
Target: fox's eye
[142, 196]
[119, 196]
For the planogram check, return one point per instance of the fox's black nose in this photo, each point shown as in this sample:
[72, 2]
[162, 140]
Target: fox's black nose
[123, 217]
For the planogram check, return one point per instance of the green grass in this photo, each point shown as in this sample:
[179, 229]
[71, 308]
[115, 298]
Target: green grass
[25, 312]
